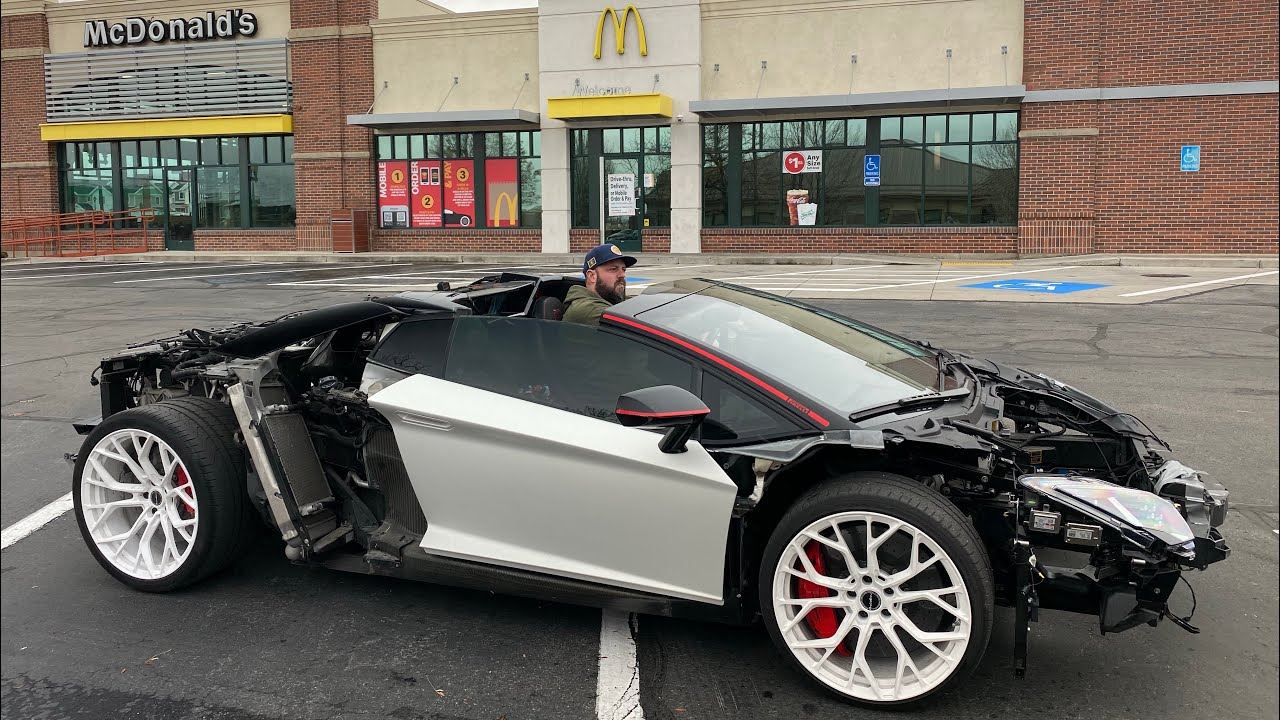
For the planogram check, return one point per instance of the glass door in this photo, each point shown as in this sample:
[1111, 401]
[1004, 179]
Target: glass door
[621, 229]
[178, 229]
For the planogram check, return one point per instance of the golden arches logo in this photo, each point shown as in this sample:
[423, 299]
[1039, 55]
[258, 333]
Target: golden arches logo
[510, 202]
[620, 29]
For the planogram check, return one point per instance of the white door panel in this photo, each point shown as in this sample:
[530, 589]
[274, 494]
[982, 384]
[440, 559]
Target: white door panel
[523, 485]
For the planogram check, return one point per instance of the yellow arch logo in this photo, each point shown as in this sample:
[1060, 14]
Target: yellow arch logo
[620, 29]
[510, 202]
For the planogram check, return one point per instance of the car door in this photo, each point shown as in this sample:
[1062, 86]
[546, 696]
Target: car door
[517, 460]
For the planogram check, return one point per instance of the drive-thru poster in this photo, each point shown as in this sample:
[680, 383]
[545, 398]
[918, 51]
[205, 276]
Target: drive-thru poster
[502, 192]
[459, 193]
[393, 194]
[424, 192]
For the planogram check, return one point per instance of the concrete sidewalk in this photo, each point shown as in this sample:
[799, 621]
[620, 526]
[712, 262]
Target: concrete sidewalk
[669, 259]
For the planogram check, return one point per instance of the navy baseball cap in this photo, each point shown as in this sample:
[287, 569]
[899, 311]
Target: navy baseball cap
[603, 254]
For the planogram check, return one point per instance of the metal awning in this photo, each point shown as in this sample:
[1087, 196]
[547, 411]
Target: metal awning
[954, 97]
[435, 121]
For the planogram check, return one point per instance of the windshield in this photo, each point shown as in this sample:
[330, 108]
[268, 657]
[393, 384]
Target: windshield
[832, 359]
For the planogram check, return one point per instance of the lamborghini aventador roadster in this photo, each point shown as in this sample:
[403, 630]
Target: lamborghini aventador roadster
[708, 451]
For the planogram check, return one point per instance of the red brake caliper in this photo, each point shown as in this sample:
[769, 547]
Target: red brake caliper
[822, 621]
[184, 484]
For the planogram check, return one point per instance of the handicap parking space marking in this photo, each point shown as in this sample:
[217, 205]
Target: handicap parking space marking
[1053, 287]
[1187, 286]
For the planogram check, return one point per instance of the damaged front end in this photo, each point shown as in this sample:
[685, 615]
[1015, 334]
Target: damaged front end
[1136, 519]
[1079, 507]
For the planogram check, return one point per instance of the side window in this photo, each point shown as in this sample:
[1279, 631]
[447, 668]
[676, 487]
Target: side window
[572, 367]
[415, 346]
[737, 418]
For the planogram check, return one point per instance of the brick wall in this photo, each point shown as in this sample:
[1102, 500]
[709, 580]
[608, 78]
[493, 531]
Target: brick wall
[1108, 180]
[333, 78]
[269, 240]
[452, 240]
[1114, 43]
[1146, 204]
[27, 170]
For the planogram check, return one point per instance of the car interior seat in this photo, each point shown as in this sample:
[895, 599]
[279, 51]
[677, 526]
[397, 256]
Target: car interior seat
[547, 308]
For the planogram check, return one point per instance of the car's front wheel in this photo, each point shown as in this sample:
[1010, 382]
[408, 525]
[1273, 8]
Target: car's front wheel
[878, 589]
[160, 494]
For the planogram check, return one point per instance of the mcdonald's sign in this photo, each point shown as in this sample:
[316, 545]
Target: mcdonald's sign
[496, 216]
[620, 29]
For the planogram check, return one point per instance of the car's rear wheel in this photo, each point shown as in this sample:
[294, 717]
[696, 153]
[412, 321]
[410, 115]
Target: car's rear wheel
[160, 493]
[878, 589]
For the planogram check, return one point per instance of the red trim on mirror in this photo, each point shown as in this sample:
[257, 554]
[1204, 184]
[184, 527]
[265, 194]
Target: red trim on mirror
[726, 364]
[677, 413]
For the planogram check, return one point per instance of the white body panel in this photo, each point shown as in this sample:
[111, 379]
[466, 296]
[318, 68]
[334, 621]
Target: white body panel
[518, 484]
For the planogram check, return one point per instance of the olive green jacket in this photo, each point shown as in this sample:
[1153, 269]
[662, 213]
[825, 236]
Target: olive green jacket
[584, 306]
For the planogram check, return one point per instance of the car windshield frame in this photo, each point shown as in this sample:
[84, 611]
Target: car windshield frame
[846, 365]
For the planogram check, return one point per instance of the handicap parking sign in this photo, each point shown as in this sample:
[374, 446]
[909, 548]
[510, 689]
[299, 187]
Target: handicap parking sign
[1053, 287]
[1190, 158]
[871, 171]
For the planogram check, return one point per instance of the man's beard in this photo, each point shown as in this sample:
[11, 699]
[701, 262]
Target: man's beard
[615, 294]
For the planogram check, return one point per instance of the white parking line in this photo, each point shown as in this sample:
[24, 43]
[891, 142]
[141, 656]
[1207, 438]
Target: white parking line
[258, 272]
[43, 267]
[1200, 284]
[36, 520]
[618, 680]
[126, 272]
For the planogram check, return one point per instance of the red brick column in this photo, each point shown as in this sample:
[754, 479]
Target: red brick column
[28, 171]
[331, 51]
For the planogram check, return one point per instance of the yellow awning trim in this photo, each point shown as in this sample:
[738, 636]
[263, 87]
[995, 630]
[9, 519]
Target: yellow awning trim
[609, 106]
[167, 127]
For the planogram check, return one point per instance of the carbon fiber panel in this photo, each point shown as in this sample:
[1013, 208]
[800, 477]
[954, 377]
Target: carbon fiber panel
[385, 468]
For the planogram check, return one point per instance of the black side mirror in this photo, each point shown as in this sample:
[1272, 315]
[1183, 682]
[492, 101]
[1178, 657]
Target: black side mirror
[664, 406]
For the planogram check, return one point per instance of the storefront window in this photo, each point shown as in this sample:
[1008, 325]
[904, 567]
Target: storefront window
[218, 197]
[955, 169]
[460, 180]
[176, 173]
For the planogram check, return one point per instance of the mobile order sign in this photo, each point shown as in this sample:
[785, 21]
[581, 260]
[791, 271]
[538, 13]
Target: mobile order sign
[1053, 287]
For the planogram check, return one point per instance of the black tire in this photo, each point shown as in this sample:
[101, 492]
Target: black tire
[902, 499]
[201, 432]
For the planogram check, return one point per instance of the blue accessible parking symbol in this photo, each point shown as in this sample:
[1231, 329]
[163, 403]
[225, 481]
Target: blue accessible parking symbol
[1052, 287]
[1190, 158]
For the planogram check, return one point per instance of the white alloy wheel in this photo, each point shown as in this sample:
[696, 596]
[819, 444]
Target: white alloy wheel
[139, 505]
[872, 606]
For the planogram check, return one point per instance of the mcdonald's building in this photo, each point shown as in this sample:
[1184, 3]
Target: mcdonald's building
[1011, 127]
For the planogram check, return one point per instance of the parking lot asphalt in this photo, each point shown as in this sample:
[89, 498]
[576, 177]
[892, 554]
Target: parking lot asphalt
[268, 639]
[981, 281]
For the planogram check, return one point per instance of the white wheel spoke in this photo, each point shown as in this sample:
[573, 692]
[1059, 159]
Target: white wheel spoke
[924, 638]
[904, 659]
[127, 533]
[860, 661]
[103, 479]
[933, 596]
[807, 605]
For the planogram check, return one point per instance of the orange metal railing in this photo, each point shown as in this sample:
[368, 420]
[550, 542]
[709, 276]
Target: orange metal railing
[78, 234]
